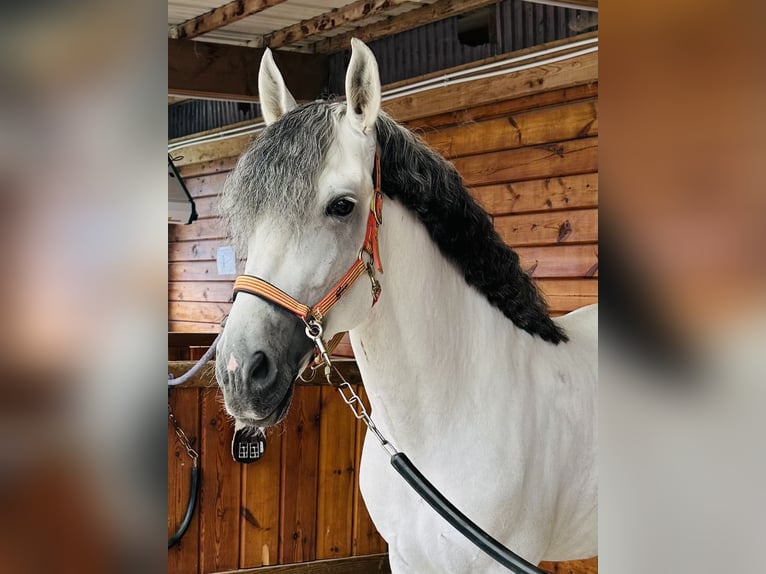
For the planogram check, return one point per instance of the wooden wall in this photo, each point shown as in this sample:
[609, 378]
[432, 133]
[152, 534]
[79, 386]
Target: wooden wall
[526, 144]
[299, 503]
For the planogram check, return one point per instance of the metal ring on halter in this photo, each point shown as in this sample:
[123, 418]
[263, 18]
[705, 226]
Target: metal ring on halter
[313, 329]
[369, 260]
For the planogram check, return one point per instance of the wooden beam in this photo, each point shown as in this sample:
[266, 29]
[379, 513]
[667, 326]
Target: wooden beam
[439, 10]
[329, 21]
[220, 17]
[574, 71]
[190, 339]
[226, 72]
[374, 564]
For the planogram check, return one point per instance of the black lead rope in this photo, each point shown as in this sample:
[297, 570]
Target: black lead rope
[194, 478]
[190, 505]
[420, 484]
[460, 521]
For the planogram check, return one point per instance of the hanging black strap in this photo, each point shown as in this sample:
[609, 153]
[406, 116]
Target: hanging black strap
[190, 505]
[460, 521]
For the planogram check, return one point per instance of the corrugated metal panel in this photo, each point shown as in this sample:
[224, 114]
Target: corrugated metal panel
[436, 46]
[194, 116]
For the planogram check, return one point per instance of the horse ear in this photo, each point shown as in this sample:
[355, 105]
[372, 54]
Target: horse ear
[362, 87]
[275, 98]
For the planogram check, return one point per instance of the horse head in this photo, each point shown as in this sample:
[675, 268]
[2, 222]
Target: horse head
[297, 204]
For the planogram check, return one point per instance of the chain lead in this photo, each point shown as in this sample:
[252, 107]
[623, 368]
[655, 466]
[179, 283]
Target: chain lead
[182, 437]
[354, 402]
[359, 411]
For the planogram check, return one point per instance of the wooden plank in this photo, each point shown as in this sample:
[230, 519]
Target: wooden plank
[298, 496]
[196, 271]
[503, 108]
[201, 291]
[205, 229]
[205, 185]
[377, 564]
[219, 504]
[537, 162]
[570, 72]
[344, 348]
[548, 194]
[222, 71]
[202, 250]
[189, 339]
[177, 353]
[259, 526]
[337, 475]
[207, 206]
[569, 294]
[329, 21]
[366, 539]
[589, 566]
[212, 150]
[195, 311]
[193, 327]
[184, 556]
[220, 17]
[439, 10]
[541, 126]
[559, 260]
[575, 226]
[189, 169]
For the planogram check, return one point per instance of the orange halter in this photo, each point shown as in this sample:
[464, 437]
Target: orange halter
[313, 316]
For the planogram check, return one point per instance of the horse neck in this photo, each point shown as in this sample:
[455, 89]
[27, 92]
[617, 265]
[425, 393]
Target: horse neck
[432, 339]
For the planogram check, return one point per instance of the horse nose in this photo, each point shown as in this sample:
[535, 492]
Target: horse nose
[259, 371]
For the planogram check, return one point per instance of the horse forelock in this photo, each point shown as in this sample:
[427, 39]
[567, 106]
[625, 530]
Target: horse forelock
[277, 176]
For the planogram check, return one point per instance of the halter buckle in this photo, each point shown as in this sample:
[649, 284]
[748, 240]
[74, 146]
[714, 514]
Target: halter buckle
[375, 207]
[374, 283]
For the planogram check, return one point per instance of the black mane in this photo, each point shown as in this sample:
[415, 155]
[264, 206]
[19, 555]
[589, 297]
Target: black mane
[433, 190]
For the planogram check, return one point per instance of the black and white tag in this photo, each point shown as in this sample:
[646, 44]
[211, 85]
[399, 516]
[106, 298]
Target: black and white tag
[248, 444]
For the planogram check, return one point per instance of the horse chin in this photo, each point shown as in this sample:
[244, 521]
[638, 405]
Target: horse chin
[277, 415]
[283, 407]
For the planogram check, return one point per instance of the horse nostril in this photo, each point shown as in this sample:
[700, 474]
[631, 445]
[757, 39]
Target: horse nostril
[259, 370]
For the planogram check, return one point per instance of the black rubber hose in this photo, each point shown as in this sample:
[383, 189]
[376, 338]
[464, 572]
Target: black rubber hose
[449, 512]
[193, 488]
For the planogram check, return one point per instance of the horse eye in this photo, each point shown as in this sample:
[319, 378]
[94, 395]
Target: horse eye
[340, 207]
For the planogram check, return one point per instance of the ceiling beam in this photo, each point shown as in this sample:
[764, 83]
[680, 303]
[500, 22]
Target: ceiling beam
[205, 70]
[219, 17]
[329, 21]
[439, 10]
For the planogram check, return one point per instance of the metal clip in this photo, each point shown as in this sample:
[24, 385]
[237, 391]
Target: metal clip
[314, 332]
[374, 283]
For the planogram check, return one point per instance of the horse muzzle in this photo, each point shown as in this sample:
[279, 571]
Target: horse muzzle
[256, 392]
[256, 369]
